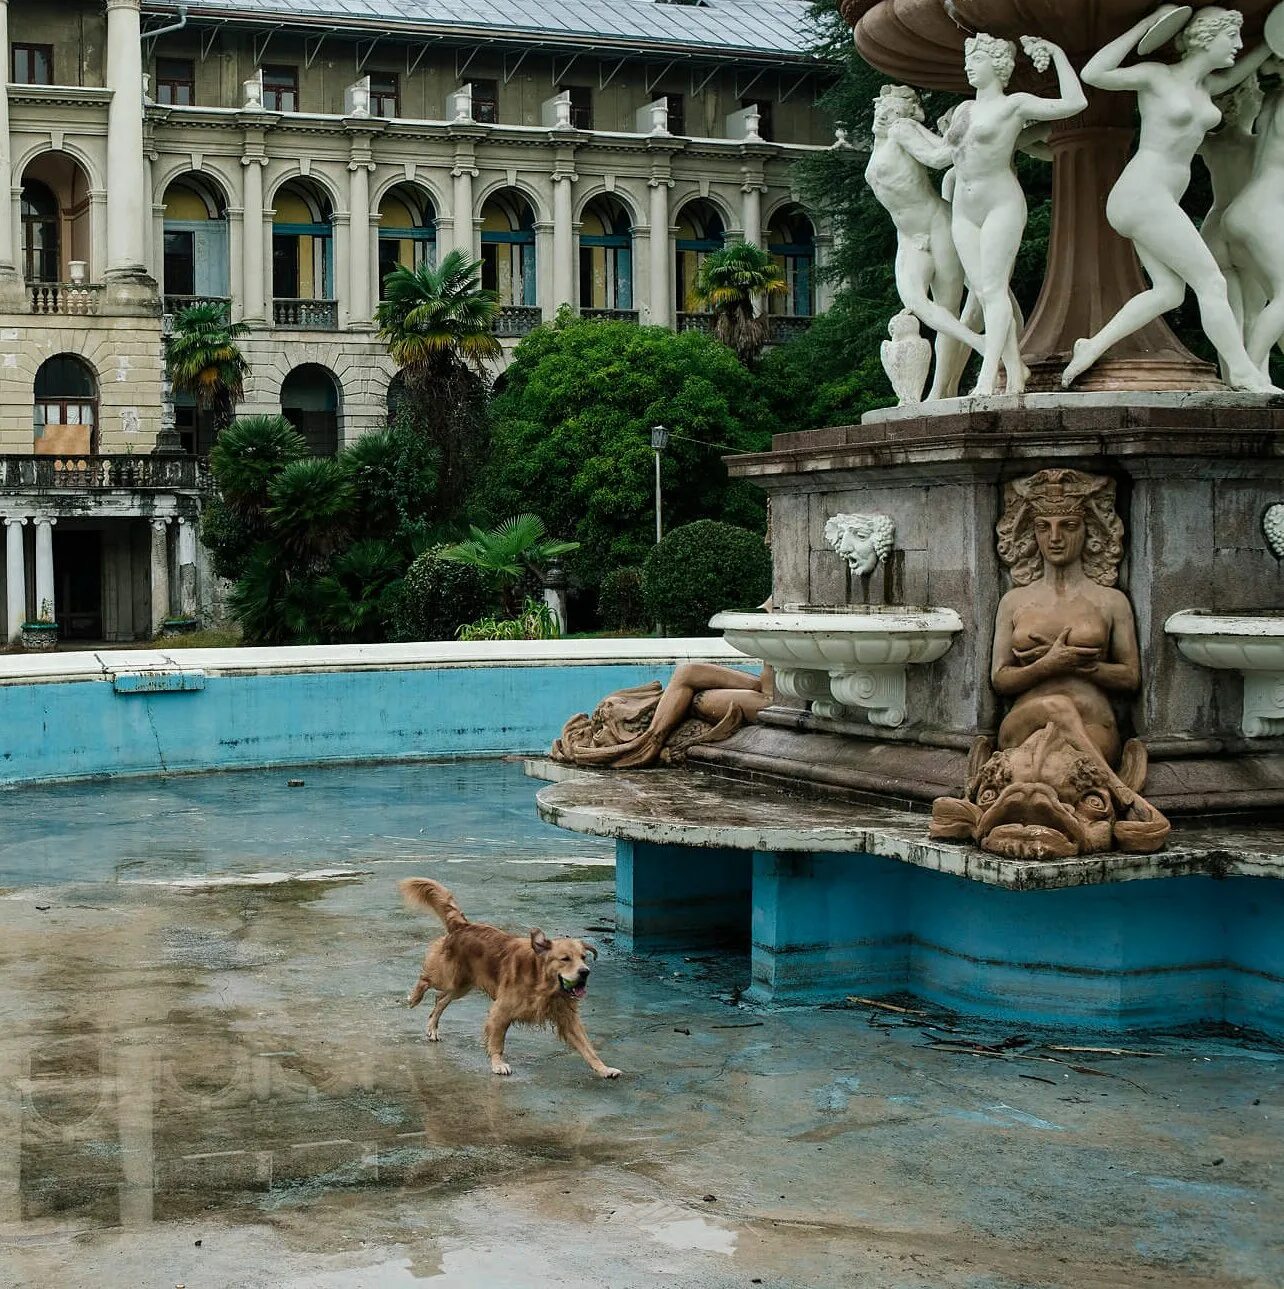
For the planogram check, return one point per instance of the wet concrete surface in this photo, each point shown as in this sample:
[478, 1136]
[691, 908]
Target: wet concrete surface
[208, 1078]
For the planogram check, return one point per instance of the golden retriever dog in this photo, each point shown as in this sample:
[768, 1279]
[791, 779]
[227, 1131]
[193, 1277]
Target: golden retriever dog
[531, 980]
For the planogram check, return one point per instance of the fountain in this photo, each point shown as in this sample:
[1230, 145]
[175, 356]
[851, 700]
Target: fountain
[1090, 706]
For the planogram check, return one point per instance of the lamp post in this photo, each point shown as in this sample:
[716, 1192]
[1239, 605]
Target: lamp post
[659, 441]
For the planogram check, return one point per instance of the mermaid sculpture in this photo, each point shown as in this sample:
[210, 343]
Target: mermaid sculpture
[1061, 782]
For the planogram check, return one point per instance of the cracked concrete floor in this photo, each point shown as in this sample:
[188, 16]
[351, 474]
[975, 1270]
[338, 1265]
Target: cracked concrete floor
[208, 1078]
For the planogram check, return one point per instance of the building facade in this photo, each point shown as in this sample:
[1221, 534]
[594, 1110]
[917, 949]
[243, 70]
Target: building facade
[284, 156]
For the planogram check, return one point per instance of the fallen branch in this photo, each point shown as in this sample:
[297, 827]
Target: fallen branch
[887, 1007]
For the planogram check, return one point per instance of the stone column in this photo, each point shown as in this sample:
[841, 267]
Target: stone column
[188, 606]
[253, 265]
[360, 305]
[7, 266]
[126, 186]
[660, 276]
[160, 573]
[564, 178]
[751, 209]
[464, 172]
[46, 604]
[15, 579]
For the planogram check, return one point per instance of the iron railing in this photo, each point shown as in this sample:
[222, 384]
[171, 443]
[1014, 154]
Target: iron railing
[610, 315]
[306, 315]
[90, 473]
[517, 320]
[786, 326]
[69, 299]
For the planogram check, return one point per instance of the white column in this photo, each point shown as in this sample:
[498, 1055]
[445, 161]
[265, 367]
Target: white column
[563, 238]
[253, 267]
[341, 277]
[464, 173]
[661, 249]
[751, 208]
[46, 605]
[6, 179]
[187, 605]
[126, 184]
[360, 307]
[160, 573]
[15, 579]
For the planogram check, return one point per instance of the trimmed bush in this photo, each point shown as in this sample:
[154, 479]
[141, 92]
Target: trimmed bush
[701, 569]
[620, 604]
[438, 596]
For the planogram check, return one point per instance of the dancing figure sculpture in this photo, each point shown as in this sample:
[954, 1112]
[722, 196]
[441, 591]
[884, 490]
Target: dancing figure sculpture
[1177, 111]
[1061, 782]
[929, 276]
[1251, 228]
[987, 202]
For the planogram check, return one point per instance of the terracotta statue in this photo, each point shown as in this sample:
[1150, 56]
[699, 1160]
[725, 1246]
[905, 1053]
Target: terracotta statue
[1175, 103]
[654, 724]
[1061, 782]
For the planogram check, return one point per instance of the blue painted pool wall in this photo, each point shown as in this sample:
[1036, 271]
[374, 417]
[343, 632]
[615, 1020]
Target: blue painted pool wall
[1153, 954]
[677, 897]
[85, 729]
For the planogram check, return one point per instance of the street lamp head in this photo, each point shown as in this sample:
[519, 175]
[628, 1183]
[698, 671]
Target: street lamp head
[659, 438]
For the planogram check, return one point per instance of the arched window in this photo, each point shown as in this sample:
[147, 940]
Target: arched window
[196, 257]
[700, 233]
[303, 258]
[310, 401]
[791, 239]
[41, 240]
[508, 248]
[606, 256]
[407, 231]
[66, 407]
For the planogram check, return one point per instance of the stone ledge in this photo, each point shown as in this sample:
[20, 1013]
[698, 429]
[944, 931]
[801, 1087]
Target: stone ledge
[689, 808]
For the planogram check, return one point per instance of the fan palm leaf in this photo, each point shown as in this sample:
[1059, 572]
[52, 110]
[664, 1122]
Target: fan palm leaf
[204, 360]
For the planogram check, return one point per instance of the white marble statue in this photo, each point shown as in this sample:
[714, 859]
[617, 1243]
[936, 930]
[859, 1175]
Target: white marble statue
[1175, 102]
[862, 540]
[1252, 230]
[929, 276]
[907, 358]
[988, 204]
[1229, 153]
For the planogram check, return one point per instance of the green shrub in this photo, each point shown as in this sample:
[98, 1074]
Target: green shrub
[394, 474]
[535, 621]
[620, 603]
[310, 508]
[701, 569]
[438, 596]
[230, 536]
[249, 455]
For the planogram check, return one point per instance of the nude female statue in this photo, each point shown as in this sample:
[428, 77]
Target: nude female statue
[929, 276]
[987, 202]
[1061, 781]
[1252, 229]
[1177, 111]
[643, 726]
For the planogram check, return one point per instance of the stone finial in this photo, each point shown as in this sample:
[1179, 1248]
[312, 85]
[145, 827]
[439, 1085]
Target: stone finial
[862, 540]
[1273, 527]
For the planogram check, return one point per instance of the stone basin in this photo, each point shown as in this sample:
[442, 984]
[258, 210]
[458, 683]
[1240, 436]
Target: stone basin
[840, 660]
[1251, 643]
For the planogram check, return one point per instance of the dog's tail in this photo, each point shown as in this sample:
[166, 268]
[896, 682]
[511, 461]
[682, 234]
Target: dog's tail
[424, 893]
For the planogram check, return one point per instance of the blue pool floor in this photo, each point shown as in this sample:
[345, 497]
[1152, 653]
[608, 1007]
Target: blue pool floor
[208, 1076]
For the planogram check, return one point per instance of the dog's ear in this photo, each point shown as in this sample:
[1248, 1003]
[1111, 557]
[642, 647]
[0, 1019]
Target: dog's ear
[539, 941]
[588, 948]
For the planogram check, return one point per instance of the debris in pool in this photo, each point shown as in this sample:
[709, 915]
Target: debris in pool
[294, 783]
[710, 1199]
[677, 1029]
[43, 908]
[203, 882]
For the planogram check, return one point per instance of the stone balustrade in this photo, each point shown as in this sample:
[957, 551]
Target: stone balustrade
[95, 473]
[71, 299]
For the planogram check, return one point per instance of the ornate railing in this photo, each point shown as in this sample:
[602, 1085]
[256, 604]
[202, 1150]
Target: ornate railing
[696, 322]
[610, 315]
[94, 473]
[306, 315]
[517, 320]
[70, 299]
[177, 303]
[785, 326]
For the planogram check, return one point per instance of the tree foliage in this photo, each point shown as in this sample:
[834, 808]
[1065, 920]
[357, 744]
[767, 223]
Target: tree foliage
[204, 360]
[571, 437]
[731, 282]
[701, 569]
[438, 596]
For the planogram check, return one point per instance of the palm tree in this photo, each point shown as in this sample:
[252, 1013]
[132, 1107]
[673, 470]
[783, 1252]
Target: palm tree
[729, 282]
[516, 550]
[436, 321]
[205, 361]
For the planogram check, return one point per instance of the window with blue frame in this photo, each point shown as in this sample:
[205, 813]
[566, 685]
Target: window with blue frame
[508, 249]
[606, 256]
[791, 239]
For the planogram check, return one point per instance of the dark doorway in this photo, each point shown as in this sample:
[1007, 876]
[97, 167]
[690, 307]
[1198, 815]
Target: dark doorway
[78, 579]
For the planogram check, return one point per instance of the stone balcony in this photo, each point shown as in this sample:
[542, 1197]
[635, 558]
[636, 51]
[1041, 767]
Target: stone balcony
[99, 473]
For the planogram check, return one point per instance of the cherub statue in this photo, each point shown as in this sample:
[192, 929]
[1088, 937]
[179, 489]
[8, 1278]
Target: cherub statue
[862, 540]
[1061, 782]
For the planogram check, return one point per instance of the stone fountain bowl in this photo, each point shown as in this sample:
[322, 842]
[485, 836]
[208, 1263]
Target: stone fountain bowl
[812, 638]
[1250, 642]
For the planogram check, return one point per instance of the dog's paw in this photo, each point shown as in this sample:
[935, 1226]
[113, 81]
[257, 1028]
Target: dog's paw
[610, 1072]
[432, 1036]
[500, 1067]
